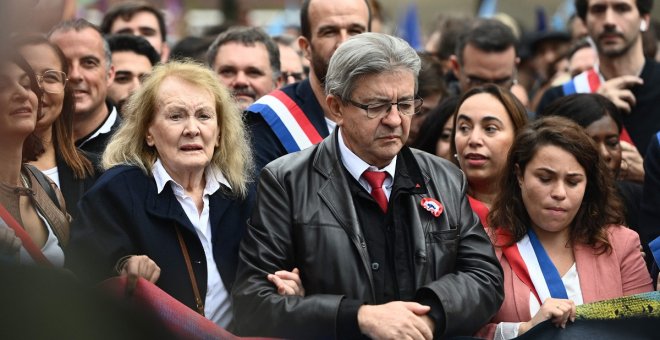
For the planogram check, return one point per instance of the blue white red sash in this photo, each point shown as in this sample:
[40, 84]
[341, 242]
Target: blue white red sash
[512, 255]
[288, 121]
[542, 288]
[588, 82]
[551, 276]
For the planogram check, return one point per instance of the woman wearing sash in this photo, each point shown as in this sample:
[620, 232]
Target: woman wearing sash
[487, 120]
[603, 122]
[27, 199]
[558, 231]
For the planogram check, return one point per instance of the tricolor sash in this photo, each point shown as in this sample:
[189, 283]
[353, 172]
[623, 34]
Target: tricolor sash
[533, 267]
[518, 266]
[550, 273]
[287, 120]
[589, 82]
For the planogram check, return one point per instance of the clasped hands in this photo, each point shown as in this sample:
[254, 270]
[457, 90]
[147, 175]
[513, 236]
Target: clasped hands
[393, 320]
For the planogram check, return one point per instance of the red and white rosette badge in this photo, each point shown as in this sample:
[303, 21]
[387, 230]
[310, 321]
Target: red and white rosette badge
[432, 205]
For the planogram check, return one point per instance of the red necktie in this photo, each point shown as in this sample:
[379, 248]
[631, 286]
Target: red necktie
[375, 180]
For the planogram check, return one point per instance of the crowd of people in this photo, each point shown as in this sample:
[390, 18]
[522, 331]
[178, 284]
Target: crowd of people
[339, 184]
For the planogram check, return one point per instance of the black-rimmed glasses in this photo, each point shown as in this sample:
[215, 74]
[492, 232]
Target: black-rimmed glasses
[405, 107]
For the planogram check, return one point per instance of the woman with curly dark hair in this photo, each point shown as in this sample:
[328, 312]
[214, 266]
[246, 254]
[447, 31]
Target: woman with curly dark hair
[557, 230]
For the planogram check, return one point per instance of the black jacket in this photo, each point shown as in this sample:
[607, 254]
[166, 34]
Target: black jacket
[123, 214]
[304, 217]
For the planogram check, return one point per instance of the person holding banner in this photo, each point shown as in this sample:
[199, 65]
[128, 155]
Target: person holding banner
[382, 235]
[557, 231]
[172, 205]
[30, 204]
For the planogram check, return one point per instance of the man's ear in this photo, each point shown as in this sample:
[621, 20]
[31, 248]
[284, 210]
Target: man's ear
[279, 81]
[335, 105]
[165, 53]
[455, 66]
[306, 47]
[111, 74]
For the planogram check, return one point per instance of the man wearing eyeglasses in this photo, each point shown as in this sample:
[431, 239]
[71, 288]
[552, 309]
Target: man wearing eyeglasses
[362, 235]
[290, 61]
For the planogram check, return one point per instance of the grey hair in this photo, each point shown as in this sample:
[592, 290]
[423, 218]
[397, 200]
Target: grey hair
[366, 54]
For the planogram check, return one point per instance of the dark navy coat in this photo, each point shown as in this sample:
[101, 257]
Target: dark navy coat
[122, 214]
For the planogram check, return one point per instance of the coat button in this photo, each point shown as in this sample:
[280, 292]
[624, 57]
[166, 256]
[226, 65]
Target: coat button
[375, 266]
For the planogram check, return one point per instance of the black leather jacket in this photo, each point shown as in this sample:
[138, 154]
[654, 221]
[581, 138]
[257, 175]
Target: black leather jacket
[304, 217]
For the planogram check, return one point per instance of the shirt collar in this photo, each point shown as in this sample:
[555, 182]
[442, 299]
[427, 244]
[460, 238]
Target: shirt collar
[355, 165]
[330, 124]
[103, 128]
[214, 177]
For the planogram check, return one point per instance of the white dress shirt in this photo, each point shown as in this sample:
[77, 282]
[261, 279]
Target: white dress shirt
[217, 303]
[356, 166]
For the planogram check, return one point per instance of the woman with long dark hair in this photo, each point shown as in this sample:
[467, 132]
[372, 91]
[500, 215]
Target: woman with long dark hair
[29, 204]
[66, 165]
[556, 227]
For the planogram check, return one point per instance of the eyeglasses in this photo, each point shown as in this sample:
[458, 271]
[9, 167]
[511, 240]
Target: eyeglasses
[52, 81]
[405, 107]
[504, 82]
[295, 75]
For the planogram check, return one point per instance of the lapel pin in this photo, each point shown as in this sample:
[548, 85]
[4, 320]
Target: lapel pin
[432, 205]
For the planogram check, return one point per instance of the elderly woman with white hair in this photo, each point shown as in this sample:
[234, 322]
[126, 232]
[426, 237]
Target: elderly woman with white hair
[172, 204]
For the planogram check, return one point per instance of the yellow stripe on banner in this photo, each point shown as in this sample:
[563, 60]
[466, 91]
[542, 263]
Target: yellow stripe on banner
[640, 305]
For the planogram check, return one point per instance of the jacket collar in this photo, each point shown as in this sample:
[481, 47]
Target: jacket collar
[165, 205]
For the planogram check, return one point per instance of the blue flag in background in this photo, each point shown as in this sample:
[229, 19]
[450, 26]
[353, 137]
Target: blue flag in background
[409, 28]
[541, 24]
[487, 9]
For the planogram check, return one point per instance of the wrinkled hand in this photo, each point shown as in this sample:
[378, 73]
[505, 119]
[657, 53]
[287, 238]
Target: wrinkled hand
[559, 311]
[138, 266]
[632, 163]
[395, 320]
[618, 91]
[287, 282]
[9, 242]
